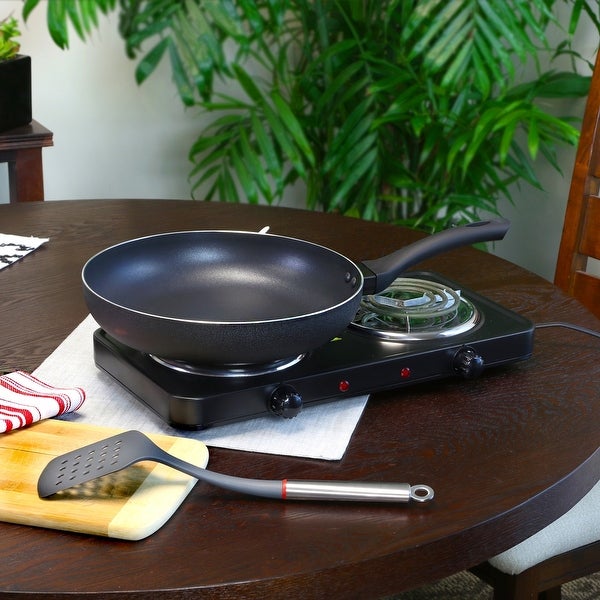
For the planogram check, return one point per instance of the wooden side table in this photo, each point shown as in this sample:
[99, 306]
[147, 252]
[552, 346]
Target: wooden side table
[21, 148]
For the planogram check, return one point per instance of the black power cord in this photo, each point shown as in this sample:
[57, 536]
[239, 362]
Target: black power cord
[569, 326]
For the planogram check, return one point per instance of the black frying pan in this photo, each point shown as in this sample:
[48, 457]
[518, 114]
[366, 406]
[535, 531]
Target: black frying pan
[230, 297]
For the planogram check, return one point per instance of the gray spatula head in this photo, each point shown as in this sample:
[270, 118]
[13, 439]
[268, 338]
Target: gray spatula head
[125, 449]
[89, 462]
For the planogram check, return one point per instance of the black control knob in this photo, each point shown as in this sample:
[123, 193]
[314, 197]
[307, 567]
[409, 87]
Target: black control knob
[286, 402]
[467, 363]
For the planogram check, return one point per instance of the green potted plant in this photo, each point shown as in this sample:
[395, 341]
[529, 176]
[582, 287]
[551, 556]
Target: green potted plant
[415, 112]
[15, 78]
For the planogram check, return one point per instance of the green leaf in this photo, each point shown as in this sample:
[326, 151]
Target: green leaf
[226, 186]
[267, 149]
[254, 165]
[57, 23]
[403, 106]
[28, 7]
[448, 43]
[459, 66]
[211, 161]
[73, 15]
[338, 85]
[435, 25]
[243, 174]
[148, 64]
[563, 85]
[207, 174]
[355, 128]
[492, 52]
[353, 177]
[533, 138]
[208, 143]
[345, 162]
[180, 77]
[486, 122]
[507, 139]
[224, 19]
[248, 85]
[500, 15]
[293, 126]
[481, 77]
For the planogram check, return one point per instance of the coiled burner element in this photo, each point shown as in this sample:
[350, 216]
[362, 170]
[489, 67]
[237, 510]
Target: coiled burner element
[416, 309]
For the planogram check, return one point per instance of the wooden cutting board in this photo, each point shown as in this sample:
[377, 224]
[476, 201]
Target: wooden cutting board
[131, 504]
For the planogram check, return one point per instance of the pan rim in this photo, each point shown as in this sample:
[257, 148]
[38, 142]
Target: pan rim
[350, 299]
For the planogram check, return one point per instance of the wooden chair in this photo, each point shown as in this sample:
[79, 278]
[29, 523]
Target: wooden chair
[581, 230]
[569, 548]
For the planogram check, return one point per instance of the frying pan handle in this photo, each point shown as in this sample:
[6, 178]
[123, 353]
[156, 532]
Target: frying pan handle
[381, 272]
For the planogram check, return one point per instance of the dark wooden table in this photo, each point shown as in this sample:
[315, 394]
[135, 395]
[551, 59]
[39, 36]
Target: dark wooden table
[21, 148]
[506, 453]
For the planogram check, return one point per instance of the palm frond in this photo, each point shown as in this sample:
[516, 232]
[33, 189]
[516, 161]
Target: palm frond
[475, 40]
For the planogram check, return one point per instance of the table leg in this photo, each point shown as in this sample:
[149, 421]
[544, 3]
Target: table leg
[25, 175]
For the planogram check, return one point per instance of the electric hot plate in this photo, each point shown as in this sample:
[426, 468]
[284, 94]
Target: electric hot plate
[423, 327]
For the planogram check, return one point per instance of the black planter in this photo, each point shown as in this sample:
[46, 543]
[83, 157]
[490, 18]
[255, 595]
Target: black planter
[15, 92]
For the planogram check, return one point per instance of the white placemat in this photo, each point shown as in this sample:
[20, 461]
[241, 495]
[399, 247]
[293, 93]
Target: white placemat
[15, 247]
[321, 431]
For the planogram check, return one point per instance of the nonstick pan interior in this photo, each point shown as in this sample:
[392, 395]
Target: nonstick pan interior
[226, 277]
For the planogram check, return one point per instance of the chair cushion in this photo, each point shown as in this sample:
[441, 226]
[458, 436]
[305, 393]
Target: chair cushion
[577, 527]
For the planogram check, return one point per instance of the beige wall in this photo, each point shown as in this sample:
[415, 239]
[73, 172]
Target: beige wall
[114, 139]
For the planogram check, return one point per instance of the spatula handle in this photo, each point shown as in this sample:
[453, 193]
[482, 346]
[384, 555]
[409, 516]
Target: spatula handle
[288, 489]
[359, 491]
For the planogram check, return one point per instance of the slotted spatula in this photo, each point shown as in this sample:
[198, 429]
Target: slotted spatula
[119, 451]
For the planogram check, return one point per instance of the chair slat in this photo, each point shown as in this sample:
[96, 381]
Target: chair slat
[590, 234]
[586, 288]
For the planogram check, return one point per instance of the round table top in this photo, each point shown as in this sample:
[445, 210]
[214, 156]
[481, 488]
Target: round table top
[506, 453]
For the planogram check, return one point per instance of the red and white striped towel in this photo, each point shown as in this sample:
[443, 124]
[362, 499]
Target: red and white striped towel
[24, 399]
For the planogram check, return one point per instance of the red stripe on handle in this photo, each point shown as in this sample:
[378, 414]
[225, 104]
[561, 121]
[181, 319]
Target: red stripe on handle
[284, 489]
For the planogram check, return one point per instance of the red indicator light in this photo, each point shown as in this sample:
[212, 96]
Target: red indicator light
[344, 385]
[405, 373]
